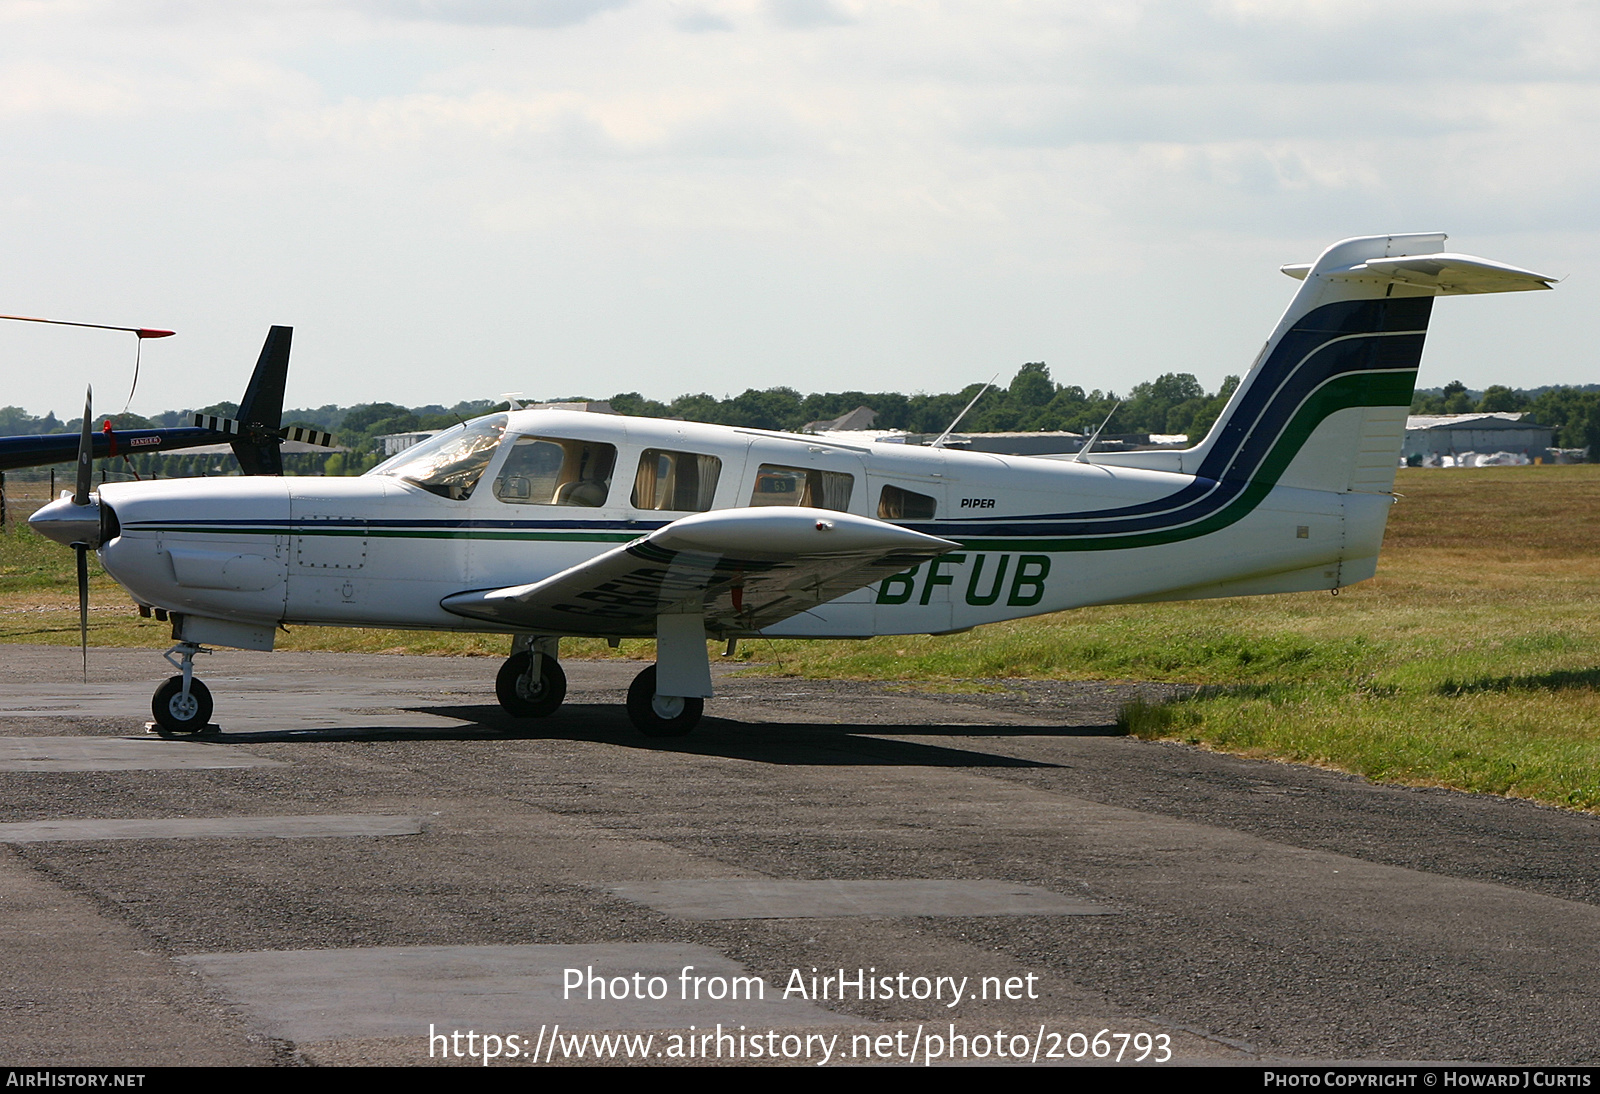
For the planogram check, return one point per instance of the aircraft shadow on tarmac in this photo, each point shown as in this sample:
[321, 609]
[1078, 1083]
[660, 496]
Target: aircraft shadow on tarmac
[766, 742]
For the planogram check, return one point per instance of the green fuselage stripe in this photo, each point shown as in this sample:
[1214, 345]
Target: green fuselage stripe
[1360, 389]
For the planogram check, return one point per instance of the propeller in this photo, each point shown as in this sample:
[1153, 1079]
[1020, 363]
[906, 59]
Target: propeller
[80, 496]
[233, 426]
[73, 520]
[139, 333]
[142, 332]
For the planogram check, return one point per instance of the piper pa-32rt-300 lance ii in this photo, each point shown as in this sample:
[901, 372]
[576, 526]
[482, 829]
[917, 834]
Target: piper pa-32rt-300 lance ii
[549, 524]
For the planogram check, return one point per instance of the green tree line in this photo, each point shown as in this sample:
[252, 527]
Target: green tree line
[1174, 403]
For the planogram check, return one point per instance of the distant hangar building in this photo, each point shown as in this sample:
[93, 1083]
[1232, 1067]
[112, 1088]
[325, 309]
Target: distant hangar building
[1438, 435]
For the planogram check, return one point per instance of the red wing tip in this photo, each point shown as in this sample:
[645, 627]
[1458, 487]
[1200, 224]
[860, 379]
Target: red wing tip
[151, 332]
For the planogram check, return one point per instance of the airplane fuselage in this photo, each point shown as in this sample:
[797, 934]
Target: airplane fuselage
[382, 551]
[550, 524]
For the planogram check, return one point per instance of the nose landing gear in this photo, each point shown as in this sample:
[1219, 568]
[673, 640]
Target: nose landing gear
[182, 705]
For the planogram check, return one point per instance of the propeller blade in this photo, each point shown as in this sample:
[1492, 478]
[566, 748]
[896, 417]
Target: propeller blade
[142, 332]
[83, 605]
[218, 424]
[80, 496]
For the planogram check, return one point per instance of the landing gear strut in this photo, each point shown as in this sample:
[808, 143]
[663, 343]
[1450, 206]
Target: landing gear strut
[183, 703]
[657, 715]
[531, 684]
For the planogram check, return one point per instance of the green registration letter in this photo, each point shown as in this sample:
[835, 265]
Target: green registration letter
[897, 589]
[936, 578]
[1028, 586]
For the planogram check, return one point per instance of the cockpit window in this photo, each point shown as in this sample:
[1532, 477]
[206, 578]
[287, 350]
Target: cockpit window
[555, 471]
[450, 464]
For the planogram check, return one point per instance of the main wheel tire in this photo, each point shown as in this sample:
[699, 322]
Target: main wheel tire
[661, 715]
[176, 714]
[523, 698]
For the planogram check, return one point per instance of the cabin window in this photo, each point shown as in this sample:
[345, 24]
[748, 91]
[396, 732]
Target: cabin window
[680, 481]
[450, 464]
[802, 486]
[554, 471]
[897, 504]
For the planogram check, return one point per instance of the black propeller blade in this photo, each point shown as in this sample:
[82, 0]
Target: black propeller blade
[83, 605]
[80, 496]
[85, 451]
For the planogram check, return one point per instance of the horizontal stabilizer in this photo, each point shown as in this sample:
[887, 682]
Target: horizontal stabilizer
[1444, 274]
[743, 569]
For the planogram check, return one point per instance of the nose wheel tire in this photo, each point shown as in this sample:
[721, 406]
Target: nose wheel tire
[176, 713]
[524, 698]
[661, 715]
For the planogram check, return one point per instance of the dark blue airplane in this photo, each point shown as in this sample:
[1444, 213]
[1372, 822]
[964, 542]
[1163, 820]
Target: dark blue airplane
[254, 435]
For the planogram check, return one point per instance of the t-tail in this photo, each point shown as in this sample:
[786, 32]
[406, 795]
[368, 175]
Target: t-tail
[1324, 407]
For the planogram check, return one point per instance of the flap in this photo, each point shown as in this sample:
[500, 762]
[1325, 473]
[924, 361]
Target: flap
[743, 569]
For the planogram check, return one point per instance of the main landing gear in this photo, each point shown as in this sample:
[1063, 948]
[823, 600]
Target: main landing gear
[182, 705]
[526, 693]
[667, 699]
[657, 715]
[531, 683]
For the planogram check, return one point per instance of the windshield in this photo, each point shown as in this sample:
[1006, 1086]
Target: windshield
[450, 464]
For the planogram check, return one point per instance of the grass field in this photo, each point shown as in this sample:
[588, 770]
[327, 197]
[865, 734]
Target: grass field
[1472, 660]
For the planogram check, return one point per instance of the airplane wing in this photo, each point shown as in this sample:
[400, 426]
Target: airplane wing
[744, 569]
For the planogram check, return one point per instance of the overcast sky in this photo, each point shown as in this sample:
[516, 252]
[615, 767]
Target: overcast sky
[450, 199]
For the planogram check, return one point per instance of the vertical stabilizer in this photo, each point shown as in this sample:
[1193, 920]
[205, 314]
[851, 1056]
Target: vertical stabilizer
[261, 410]
[1325, 404]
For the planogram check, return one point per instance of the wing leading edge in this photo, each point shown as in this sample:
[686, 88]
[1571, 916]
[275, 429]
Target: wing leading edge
[742, 569]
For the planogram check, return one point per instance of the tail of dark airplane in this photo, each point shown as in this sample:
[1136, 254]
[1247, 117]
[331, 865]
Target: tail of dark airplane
[254, 435]
[261, 411]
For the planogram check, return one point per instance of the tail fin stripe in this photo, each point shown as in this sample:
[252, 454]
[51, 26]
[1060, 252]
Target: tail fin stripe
[1337, 393]
[1340, 393]
[1322, 349]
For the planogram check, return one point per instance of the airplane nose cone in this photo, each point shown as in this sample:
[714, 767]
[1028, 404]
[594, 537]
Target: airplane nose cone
[68, 523]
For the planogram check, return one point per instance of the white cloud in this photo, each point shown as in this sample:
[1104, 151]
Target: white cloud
[809, 14]
[899, 188]
[498, 13]
[700, 20]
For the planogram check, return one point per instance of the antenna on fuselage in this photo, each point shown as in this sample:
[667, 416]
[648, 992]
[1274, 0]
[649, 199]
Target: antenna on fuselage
[945, 436]
[1095, 436]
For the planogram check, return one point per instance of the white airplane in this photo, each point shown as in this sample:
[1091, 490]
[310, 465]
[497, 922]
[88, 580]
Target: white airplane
[549, 524]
